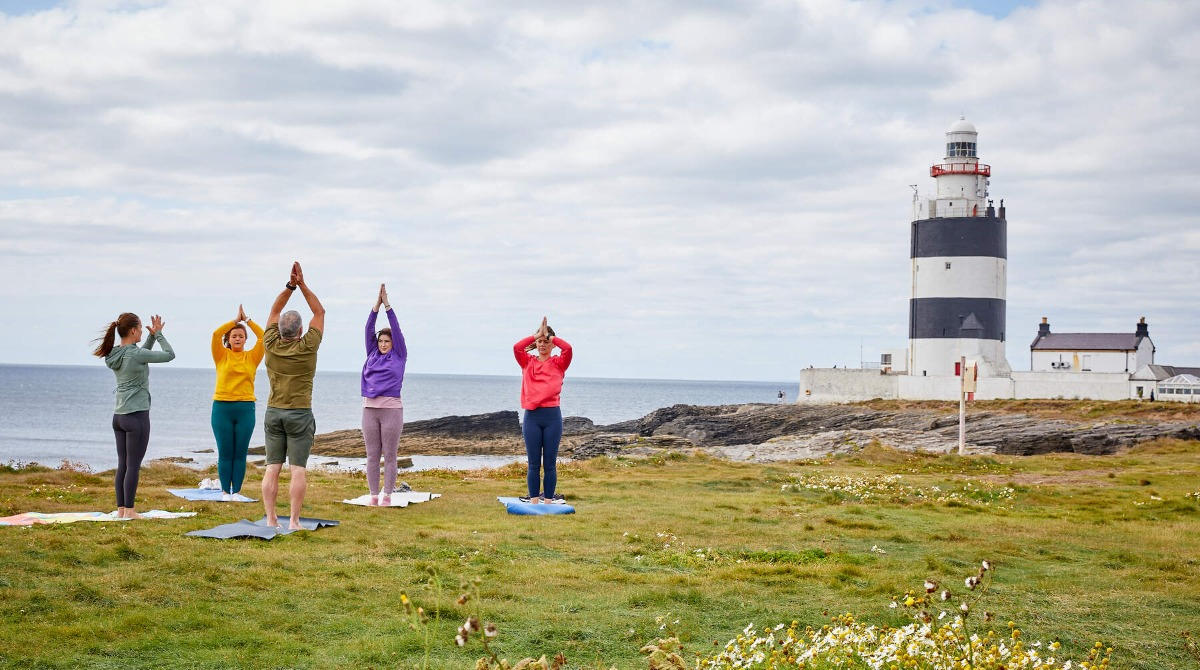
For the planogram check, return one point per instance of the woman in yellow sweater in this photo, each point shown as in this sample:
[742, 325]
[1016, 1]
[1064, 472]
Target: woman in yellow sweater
[233, 403]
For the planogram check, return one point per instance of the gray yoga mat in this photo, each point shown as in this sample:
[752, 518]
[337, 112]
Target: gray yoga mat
[259, 529]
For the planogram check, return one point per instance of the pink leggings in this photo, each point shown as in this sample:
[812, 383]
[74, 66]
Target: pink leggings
[381, 429]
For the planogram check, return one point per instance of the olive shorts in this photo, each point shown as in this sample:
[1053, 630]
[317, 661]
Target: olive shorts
[290, 434]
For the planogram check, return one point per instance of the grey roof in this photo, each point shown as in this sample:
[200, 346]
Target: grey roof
[1086, 342]
[1161, 372]
[1153, 373]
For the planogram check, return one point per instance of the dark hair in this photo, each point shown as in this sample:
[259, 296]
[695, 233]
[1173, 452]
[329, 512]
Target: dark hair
[122, 326]
[225, 337]
[549, 331]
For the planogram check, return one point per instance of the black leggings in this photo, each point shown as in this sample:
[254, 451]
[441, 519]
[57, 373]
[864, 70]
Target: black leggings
[133, 434]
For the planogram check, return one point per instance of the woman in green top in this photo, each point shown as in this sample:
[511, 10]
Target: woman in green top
[131, 418]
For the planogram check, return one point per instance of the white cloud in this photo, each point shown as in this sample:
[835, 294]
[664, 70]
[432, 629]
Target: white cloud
[687, 191]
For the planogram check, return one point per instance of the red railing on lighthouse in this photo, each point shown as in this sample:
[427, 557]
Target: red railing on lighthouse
[960, 168]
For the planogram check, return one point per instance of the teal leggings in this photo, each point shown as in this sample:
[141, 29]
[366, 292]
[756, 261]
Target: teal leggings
[232, 424]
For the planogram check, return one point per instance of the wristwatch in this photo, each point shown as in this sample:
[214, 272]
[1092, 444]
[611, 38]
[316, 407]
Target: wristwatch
[290, 286]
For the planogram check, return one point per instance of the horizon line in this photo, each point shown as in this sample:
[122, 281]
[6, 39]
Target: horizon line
[446, 374]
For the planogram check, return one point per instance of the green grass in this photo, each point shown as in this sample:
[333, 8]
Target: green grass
[1084, 550]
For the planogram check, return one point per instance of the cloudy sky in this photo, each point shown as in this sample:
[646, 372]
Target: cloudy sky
[695, 190]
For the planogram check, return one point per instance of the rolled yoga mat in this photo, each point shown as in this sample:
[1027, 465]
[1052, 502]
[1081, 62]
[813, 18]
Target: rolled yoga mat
[515, 506]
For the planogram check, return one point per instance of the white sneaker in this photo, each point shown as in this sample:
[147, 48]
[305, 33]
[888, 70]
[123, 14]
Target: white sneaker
[225, 497]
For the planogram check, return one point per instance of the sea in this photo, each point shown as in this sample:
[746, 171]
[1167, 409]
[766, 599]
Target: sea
[55, 413]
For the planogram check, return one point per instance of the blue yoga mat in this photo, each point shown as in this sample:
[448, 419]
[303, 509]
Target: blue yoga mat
[515, 506]
[211, 495]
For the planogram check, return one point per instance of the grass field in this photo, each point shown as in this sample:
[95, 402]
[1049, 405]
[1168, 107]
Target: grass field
[1085, 549]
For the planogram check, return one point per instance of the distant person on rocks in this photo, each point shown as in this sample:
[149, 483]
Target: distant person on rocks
[233, 407]
[289, 424]
[383, 411]
[131, 418]
[541, 385]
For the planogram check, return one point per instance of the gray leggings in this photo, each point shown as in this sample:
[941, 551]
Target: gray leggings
[381, 431]
[133, 435]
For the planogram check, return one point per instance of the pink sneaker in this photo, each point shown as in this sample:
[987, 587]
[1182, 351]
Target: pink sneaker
[386, 500]
[373, 502]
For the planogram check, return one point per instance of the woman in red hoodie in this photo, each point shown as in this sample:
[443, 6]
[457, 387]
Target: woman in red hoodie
[541, 384]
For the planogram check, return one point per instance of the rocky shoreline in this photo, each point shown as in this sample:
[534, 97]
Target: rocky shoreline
[772, 433]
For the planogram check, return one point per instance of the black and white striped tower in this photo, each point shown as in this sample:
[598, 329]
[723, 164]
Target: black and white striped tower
[959, 266]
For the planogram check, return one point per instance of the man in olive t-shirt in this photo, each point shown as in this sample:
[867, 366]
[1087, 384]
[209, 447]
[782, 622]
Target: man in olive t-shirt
[289, 424]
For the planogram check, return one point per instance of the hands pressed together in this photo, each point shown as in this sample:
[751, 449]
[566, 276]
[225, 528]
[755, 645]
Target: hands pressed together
[542, 334]
[156, 324]
[382, 298]
[297, 275]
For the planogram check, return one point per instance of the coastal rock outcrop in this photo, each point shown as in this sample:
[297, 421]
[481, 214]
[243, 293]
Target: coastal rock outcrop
[774, 432]
[784, 432]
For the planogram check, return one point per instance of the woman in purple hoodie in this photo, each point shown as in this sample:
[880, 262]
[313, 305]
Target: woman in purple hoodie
[383, 411]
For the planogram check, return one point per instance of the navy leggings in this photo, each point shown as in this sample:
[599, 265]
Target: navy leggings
[232, 424]
[133, 435]
[543, 429]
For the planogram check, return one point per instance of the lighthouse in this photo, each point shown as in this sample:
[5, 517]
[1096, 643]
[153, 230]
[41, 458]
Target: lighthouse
[959, 255]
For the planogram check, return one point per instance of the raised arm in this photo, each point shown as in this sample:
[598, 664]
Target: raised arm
[318, 311]
[565, 352]
[520, 349]
[259, 351]
[147, 356]
[281, 301]
[218, 347]
[144, 355]
[398, 345]
[369, 331]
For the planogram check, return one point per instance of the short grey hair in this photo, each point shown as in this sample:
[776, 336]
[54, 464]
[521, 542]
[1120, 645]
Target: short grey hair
[290, 324]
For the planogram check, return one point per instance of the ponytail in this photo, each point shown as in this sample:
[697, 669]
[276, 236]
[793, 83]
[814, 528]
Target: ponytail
[122, 326]
[106, 341]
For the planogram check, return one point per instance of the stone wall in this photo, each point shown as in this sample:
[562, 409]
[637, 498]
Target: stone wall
[831, 385]
[838, 385]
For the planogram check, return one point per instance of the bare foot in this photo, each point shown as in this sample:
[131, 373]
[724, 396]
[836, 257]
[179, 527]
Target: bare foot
[273, 522]
[130, 514]
[295, 525]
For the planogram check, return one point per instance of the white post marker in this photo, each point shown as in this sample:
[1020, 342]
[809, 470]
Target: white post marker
[962, 404]
[970, 375]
